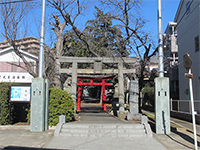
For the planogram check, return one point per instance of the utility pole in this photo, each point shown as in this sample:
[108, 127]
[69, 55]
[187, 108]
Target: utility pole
[41, 61]
[40, 90]
[162, 110]
[160, 41]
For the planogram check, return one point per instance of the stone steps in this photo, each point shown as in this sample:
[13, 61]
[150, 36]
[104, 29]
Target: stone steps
[102, 130]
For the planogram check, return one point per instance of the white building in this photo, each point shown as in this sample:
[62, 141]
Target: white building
[10, 62]
[170, 47]
[188, 29]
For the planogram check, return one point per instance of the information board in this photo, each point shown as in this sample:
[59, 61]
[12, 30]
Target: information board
[20, 94]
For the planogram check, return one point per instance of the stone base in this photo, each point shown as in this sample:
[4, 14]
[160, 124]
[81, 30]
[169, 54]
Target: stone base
[135, 117]
[121, 115]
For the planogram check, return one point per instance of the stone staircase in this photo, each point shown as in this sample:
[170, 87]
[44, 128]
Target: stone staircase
[101, 130]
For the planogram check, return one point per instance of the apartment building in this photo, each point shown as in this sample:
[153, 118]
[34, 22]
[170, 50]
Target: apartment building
[27, 44]
[170, 49]
[12, 68]
[188, 32]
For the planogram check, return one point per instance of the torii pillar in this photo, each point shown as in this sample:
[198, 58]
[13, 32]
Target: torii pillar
[121, 90]
[74, 82]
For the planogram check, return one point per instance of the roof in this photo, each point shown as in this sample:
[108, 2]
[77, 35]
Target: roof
[23, 52]
[178, 10]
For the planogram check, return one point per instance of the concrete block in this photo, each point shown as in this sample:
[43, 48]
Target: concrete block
[62, 119]
[38, 105]
[136, 117]
[148, 130]
[58, 129]
[144, 119]
[162, 110]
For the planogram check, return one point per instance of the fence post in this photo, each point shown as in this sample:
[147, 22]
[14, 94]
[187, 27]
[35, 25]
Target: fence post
[178, 104]
[171, 104]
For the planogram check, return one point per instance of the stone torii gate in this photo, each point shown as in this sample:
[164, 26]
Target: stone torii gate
[98, 61]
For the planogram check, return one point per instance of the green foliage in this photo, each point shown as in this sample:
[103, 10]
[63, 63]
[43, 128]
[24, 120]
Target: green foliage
[105, 37]
[60, 103]
[148, 92]
[102, 36]
[4, 103]
[28, 110]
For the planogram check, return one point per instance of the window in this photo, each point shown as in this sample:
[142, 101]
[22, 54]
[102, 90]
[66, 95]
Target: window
[188, 7]
[196, 43]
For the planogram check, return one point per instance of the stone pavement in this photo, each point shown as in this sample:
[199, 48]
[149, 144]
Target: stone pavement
[92, 114]
[19, 137]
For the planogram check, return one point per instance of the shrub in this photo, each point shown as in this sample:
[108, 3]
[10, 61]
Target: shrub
[4, 103]
[148, 92]
[60, 103]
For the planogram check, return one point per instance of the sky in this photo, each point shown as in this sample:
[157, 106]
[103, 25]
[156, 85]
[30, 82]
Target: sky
[169, 9]
[149, 12]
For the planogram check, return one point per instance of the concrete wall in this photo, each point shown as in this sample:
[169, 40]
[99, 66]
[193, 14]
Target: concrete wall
[184, 116]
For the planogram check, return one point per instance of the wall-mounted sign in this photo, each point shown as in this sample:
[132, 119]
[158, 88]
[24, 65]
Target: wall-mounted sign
[20, 93]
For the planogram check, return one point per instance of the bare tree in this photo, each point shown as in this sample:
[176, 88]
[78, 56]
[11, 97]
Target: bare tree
[129, 20]
[69, 11]
[13, 15]
[58, 28]
[126, 13]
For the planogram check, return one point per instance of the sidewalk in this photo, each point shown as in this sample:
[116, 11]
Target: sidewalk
[19, 137]
[181, 137]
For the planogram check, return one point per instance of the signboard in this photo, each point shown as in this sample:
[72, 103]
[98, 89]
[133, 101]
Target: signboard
[20, 94]
[187, 61]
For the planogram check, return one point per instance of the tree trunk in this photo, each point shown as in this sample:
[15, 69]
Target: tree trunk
[59, 48]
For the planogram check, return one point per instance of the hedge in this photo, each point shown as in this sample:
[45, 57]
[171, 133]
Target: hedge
[60, 103]
[4, 103]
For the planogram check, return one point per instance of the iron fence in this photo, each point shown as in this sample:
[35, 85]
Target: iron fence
[184, 105]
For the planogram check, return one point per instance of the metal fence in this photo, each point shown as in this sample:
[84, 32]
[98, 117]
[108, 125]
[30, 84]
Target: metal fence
[184, 105]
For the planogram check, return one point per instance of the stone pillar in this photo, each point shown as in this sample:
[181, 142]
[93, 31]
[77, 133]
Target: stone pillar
[38, 93]
[121, 89]
[134, 101]
[74, 82]
[127, 88]
[162, 110]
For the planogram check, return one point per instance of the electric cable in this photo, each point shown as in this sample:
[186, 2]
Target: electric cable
[17, 1]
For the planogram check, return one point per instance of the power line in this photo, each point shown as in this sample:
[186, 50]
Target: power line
[18, 1]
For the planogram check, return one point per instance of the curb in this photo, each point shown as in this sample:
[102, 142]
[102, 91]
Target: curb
[178, 129]
[58, 129]
[16, 127]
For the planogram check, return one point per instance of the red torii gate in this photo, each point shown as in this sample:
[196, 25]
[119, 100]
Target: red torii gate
[103, 83]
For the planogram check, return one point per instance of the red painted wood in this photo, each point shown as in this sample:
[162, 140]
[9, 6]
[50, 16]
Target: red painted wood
[79, 99]
[103, 83]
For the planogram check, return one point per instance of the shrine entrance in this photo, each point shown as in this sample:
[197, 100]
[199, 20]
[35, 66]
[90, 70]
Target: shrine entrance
[77, 74]
[101, 81]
